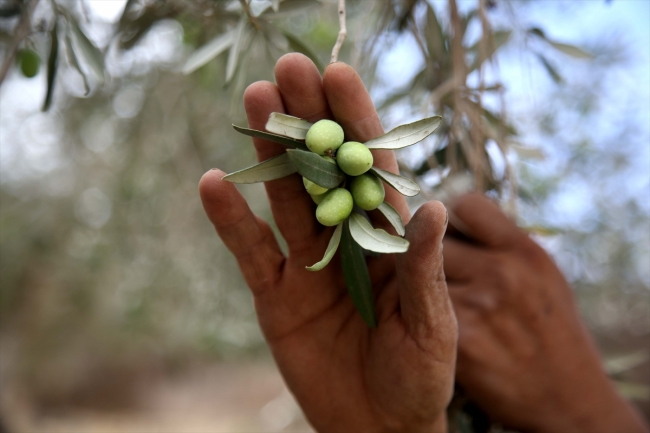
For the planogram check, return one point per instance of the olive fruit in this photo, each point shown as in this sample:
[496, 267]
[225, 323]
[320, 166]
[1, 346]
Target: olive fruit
[313, 188]
[29, 62]
[367, 191]
[354, 158]
[335, 207]
[317, 198]
[323, 136]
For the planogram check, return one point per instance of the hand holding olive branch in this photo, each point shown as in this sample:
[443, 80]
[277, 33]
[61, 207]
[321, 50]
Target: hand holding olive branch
[345, 376]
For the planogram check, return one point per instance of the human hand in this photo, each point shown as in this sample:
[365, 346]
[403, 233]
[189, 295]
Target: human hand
[523, 353]
[345, 376]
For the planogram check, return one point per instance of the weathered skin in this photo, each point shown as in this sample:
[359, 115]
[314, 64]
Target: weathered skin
[354, 158]
[367, 191]
[323, 136]
[335, 207]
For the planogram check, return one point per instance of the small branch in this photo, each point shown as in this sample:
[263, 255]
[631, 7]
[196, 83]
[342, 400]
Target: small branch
[247, 9]
[21, 32]
[343, 32]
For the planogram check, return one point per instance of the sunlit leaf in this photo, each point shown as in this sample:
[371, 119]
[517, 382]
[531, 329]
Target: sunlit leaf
[633, 391]
[331, 249]
[88, 52]
[209, 51]
[527, 152]
[357, 279]
[373, 239]
[315, 168]
[52, 65]
[271, 169]
[299, 46]
[393, 217]
[290, 142]
[402, 184]
[621, 364]
[276, 5]
[406, 135]
[289, 126]
[74, 62]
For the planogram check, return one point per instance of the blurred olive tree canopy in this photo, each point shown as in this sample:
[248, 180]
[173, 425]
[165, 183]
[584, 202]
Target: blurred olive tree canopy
[110, 117]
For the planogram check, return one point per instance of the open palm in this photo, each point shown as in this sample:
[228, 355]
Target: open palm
[346, 376]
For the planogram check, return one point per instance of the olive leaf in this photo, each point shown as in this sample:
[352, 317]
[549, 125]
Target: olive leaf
[402, 184]
[405, 135]
[499, 38]
[373, 239]
[329, 252]
[393, 217]
[52, 61]
[209, 51]
[290, 142]
[271, 169]
[571, 50]
[357, 279]
[89, 52]
[555, 75]
[243, 31]
[315, 168]
[74, 62]
[289, 126]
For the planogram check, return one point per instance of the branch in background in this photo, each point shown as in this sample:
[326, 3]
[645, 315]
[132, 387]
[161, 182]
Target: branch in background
[343, 32]
[247, 9]
[22, 31]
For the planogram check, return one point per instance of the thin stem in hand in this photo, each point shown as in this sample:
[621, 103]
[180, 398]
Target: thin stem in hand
[343, 32]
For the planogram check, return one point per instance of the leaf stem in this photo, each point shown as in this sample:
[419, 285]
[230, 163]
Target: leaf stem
[343, 32]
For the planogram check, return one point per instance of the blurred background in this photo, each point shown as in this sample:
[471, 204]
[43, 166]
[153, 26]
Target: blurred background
[121, 310]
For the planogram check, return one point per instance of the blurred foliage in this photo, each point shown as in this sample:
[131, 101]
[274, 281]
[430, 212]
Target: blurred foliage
[106, 256]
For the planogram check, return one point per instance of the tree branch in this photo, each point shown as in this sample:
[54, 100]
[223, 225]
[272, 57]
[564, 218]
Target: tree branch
[343, 32]
[22, 31]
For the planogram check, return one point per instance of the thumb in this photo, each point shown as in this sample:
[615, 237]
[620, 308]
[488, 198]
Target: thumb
[424, 302]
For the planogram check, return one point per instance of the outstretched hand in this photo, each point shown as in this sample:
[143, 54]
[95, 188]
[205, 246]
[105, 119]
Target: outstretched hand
[346, 376]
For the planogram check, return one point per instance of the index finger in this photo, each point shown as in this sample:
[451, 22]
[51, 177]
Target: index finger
[352, 107]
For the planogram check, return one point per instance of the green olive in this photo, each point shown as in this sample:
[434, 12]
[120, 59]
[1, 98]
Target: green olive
[317, 198]
[354, 158]
[335, 207]
[313, 188]
[367, 191]
[323, 136]
[29, 61]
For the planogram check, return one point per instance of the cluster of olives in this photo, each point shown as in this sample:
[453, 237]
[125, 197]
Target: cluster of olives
[364, 189]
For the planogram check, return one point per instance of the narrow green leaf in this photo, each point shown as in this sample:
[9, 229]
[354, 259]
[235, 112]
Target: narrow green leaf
[393, 217]
[299, 46]
[209, 51]
[555, 75]
[74, 62]
[52, 65]
[289, 126]
[571, 50]
[271, 169]
[275, 5]
[331, 249]
[90, 54]
[315, 168]
[406, 135]
[402, 184]
[373, 239]
[233, 55]
[290, 142]
[357, 279]
[499, 38]
[433, 35]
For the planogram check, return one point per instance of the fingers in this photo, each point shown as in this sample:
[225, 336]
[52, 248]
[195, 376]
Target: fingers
[461, 259]
[301, 87]
[353, 109]
[424, 301]
[292, 208]
[249, 238]
[477, 217]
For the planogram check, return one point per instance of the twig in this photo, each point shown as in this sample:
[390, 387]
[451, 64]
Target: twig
[247, 9]
[22, 30]
[343, 32]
